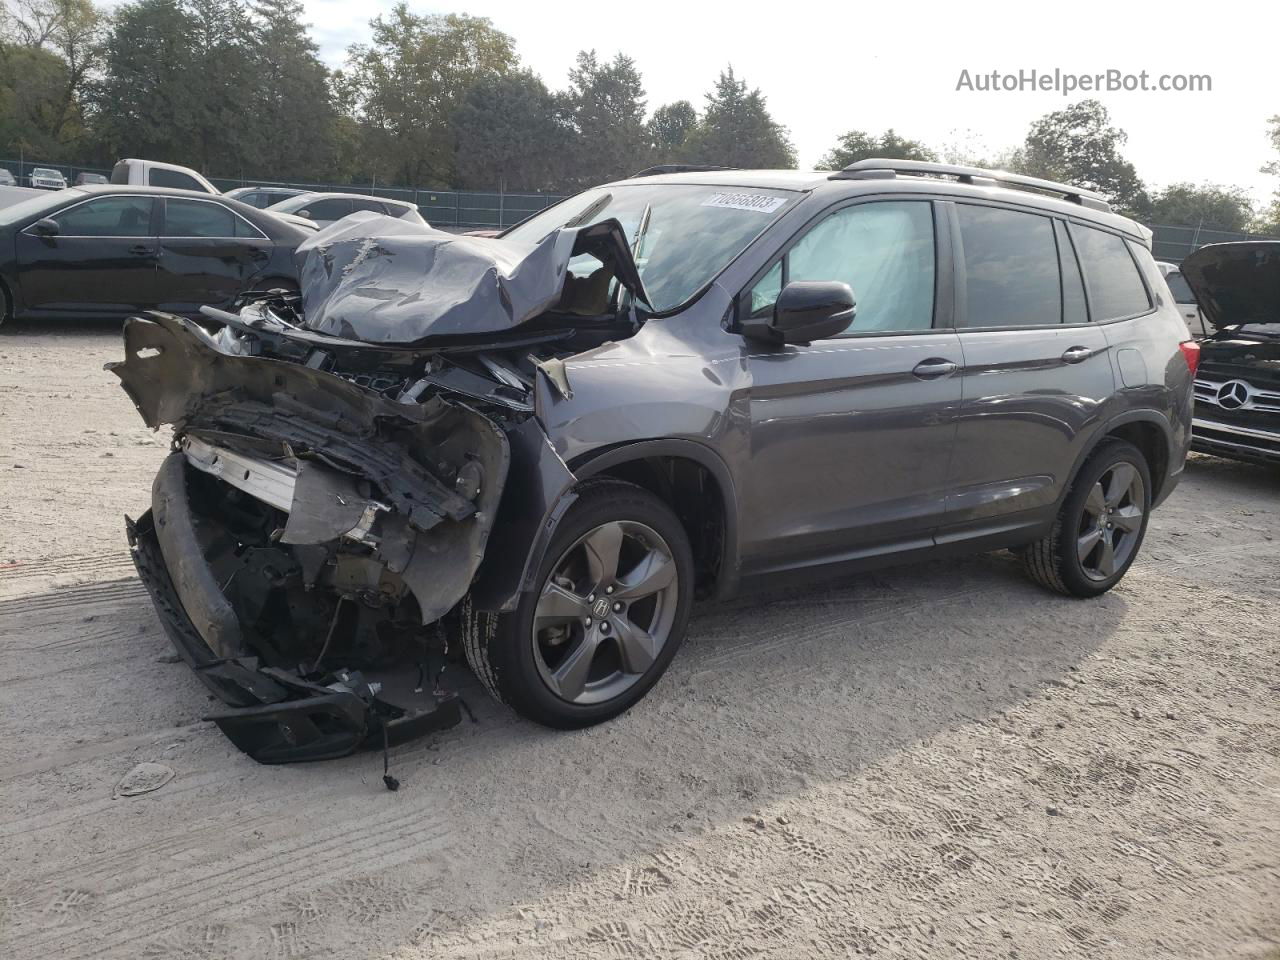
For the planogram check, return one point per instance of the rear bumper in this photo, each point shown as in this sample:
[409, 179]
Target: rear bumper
[1238, 443]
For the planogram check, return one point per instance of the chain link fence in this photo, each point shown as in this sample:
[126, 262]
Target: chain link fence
[471, 209]
[1174, 243]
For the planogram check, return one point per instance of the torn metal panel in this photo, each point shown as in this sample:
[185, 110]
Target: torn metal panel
[381, 280]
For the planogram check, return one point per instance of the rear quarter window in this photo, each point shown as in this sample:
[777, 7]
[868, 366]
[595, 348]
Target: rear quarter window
[173, 179]
[1115, 286]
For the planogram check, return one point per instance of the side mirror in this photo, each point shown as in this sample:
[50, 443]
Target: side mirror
[806, 310]
[304, 214]
[47, 227]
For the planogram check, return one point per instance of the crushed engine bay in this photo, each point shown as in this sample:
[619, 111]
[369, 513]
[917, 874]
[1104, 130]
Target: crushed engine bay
[342, 460]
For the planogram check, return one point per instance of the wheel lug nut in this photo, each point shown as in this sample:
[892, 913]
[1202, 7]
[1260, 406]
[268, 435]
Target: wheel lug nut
[617, 606]
[608, 589]
[586, 621]
[604, 627]
[591, 598]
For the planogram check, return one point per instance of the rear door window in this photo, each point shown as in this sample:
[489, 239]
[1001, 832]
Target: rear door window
[198, 218]
[1116, 289]
[1011, 269]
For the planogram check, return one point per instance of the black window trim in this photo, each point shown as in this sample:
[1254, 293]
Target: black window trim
[151, 231]
[164, 218]
[1153, 306]
[943, 270]
[961, 303]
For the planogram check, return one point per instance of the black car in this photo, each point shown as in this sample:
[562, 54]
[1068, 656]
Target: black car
[542, 447]
[111, 251]
[1238, 386]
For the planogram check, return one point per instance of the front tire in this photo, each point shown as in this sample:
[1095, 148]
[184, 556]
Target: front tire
[610, 609]
[1100, 527]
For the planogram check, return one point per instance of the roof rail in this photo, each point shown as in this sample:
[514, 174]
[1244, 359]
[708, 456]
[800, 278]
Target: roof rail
[677, 168]
[878, 168]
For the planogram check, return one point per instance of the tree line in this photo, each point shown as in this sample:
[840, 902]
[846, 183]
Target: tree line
[235, 88]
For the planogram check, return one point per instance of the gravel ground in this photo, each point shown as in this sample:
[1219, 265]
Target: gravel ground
[933, 762]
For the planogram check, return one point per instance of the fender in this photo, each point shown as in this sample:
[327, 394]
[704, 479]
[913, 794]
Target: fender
[1120, 419]
[597, 462]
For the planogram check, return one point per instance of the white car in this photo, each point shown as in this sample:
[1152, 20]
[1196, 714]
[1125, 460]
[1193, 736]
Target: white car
[1184, 298]
[323, 209]
[46, 178]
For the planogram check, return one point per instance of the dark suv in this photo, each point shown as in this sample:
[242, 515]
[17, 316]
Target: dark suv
[546, 445]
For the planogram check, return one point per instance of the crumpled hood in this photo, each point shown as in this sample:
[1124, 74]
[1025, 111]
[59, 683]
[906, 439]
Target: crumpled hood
[1236, 283]
[380, 279]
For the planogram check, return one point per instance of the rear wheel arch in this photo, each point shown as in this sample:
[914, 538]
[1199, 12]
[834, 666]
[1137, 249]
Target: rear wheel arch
[696, 483]
[1145, 429]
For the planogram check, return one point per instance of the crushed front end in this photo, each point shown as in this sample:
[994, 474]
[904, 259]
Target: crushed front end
[340, 460]
[307, 526]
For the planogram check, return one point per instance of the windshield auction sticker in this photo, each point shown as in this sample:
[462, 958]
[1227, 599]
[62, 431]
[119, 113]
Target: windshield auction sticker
[744, 201]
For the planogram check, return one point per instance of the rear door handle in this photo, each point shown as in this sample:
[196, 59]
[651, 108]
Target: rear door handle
[1076, 354]
[935, 368]
[141, 249]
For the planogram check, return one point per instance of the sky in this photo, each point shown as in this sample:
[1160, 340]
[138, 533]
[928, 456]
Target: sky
[826, 68]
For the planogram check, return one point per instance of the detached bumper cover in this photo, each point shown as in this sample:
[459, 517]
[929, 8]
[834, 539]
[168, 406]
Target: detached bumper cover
[273, 717]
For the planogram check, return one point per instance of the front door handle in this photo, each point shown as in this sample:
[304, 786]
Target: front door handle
[934, 368]
[141, 249]
[1076, 354]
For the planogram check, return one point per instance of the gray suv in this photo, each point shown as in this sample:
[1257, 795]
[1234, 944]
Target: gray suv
[543, 447]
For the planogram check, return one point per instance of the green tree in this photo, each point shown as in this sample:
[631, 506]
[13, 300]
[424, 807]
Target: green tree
[1079, 145]
[1209, 205]
[32, 82]
[605, 106]
[858, 145]
[669, 129]
[738, 131]
[290, 113]
[220, 73]
[144, 102]
[404, 87]
[70, 30]
[510, 134]
[1268, 220]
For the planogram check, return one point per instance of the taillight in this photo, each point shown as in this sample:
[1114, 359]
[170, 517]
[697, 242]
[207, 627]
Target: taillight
[1191, 353]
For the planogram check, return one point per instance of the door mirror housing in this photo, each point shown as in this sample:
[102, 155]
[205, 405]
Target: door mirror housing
[47, 227]
[305, 214]
[806, 310]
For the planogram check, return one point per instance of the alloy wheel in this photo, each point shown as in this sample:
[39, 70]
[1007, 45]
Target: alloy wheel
[1111, 522]
[605, 612]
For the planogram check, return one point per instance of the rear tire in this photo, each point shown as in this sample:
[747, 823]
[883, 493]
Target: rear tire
[609, 610]
[1099, 530]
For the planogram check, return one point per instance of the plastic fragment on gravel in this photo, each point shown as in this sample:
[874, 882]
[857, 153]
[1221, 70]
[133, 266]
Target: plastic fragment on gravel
[144, 778]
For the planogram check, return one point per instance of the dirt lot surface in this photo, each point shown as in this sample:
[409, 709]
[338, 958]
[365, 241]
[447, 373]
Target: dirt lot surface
[942, 761]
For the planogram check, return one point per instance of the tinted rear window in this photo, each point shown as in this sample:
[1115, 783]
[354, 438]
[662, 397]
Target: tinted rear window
[1179, 288]
[1115, 286]
[196, 218]
[172, 178]
[1011, 268]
